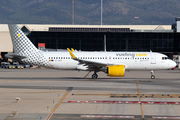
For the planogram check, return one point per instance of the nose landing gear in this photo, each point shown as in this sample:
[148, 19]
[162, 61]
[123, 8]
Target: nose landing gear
[94, 76]
[152, 74]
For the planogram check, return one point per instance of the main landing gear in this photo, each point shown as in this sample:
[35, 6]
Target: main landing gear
[152, 74]
[94, 76]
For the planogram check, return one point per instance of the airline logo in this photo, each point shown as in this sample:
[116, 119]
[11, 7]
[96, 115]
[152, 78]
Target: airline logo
[125, 54]
[140, 54]
[131, 54]
[51, 60]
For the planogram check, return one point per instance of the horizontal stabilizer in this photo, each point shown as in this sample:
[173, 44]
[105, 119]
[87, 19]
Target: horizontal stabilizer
[14, 56]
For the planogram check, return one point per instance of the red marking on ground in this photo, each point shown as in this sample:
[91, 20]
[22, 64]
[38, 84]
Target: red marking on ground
[166, 117]
[125, 102]
[101, 116]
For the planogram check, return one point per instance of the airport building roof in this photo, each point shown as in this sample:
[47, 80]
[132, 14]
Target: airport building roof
[45, 27]
[177, 18]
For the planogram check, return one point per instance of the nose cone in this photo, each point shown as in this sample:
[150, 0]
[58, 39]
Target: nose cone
[173, 64]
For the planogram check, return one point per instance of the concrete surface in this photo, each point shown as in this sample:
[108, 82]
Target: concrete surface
[38, 88]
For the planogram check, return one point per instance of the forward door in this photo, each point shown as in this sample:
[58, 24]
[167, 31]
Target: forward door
[153, 59]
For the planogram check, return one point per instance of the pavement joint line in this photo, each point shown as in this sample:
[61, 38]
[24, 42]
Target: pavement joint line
[58, 103]
[140, 100]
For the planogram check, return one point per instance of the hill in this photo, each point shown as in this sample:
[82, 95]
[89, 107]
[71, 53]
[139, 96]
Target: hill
[121, 12]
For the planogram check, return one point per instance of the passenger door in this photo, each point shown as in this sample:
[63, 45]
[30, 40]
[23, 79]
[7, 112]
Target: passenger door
[153, 59]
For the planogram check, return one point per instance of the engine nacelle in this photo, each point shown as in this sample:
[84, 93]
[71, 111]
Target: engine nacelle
[116, 71]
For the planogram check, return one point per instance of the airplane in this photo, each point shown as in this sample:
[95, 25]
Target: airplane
[113, 63]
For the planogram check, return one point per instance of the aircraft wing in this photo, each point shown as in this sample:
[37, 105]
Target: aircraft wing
[14, 56]
[90, 64]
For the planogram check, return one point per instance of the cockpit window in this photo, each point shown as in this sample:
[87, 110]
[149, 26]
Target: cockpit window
[165, 58]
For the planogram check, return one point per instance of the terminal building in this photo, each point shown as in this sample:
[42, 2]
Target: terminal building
[157, 38]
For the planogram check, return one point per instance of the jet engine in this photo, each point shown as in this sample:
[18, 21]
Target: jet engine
[115, 71]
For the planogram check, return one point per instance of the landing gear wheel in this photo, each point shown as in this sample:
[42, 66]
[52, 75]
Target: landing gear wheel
[152, 74]
[152, 77]
[94, 76]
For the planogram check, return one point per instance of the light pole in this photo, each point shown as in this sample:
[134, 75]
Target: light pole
[72, 12]
[101, 10]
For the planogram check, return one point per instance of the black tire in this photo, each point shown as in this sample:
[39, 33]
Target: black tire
[152, 77]
[94, 76]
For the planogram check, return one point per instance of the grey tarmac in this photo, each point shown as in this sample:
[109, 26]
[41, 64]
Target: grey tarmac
[43, 90]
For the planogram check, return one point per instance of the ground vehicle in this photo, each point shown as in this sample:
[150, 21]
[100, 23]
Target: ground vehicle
[26, 65]
[7, 65]
[2, 64]
[16, 64]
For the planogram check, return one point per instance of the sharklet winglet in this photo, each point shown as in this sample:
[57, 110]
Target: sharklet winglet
[72, 49]
[71, 54]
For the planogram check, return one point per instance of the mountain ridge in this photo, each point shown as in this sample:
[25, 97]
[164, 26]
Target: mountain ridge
[115, 12]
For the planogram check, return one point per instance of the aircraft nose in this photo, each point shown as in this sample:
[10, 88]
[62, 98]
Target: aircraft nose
[173, 64]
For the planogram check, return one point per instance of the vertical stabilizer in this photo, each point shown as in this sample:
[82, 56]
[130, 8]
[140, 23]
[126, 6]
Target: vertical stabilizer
[24, 47]
[21, 42]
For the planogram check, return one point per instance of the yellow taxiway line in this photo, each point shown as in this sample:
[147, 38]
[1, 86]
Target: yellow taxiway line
[57, 105]
[140, 100]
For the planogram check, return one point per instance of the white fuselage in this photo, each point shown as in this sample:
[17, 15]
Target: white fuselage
[131, 60]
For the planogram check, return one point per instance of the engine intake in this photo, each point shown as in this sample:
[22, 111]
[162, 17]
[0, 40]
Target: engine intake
[116, 71]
